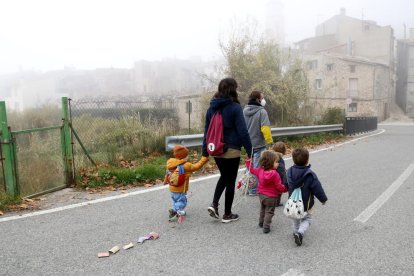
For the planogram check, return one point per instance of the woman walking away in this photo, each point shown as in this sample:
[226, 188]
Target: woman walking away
[258, 125]
[235, 135]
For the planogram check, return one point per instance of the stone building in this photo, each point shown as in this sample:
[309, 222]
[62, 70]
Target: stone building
[358, 86]
[350, 64]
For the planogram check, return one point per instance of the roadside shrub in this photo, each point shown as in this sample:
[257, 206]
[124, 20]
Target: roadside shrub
[331, 116]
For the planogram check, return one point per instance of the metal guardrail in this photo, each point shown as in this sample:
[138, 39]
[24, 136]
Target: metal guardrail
[196, 140]
[354, 125]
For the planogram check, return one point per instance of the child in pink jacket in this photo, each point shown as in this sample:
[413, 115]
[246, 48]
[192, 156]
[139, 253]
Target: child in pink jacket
[270, 186]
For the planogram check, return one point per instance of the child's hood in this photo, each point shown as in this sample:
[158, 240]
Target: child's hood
[268, 175]
[174, 162]
[296, 175]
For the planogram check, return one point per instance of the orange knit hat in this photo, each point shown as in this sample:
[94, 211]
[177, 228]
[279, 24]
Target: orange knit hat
[180, 152]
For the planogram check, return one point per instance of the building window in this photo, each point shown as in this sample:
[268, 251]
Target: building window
[318, 84]
[312, 64]
[329, 67]
[352, 68]
[353, 87]
[352, 107]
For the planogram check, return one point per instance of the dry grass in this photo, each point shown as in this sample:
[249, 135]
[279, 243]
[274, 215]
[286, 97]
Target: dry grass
[39, 159]
[129, 137]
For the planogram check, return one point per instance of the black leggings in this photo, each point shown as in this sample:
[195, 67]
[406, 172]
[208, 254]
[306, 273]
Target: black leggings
[228, 174]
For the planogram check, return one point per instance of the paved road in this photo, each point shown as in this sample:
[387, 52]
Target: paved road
[354, 175]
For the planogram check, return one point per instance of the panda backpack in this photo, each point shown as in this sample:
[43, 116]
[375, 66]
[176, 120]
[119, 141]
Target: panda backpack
[294, 207]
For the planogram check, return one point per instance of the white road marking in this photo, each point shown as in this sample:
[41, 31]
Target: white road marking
[371, 209]
[293, 272]
[397, 124]
[91, 202]
[350, 141]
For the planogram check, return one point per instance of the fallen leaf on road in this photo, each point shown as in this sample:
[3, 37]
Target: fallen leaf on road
[39, 198]
[24, 206]
[1, 213]
[28, 199]
[148, 185]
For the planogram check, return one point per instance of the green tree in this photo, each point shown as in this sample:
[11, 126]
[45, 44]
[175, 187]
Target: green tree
[260, 64]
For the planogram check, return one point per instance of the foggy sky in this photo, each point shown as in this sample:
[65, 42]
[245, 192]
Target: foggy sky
[86, 34]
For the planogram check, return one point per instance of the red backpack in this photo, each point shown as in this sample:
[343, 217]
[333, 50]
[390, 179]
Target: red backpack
[215, 135]
[176, 177]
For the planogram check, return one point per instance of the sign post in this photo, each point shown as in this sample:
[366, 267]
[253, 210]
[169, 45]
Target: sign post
[189, 109]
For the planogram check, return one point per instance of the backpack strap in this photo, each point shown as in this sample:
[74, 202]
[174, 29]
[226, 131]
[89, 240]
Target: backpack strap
[180, 169]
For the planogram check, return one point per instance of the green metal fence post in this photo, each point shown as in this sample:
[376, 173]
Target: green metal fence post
[66, 138]
[7, 149]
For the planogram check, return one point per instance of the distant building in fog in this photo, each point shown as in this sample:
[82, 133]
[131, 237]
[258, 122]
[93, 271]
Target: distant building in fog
[351, 65]
[405, 74]
[29, 89]
[169, 77]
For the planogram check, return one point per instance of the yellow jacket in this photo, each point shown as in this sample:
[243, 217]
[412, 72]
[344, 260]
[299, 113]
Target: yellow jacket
[189, 168]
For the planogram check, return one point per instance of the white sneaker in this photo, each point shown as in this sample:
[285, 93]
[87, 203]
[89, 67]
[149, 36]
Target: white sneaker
[181, 212]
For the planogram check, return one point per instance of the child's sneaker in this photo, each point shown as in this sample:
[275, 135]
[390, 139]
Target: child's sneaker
[172, 213]
[230, 218]
[173, 219]
[181, 213]
[298, 238]
[261, 224]
[213, 212]
[266, 230]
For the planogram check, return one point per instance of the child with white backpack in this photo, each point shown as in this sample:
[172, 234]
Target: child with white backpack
[303, 186]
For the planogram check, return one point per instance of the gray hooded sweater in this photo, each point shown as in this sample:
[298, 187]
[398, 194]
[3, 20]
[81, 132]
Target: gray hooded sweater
[256, 117]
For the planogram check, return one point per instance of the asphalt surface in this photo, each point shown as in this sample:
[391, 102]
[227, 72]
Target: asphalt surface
[353, 175]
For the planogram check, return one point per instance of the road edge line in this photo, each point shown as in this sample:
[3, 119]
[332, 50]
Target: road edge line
[365, 215]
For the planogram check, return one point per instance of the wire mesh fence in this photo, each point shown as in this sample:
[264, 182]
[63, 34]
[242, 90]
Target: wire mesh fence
[111, 129]
[45, 116]
[39, 161]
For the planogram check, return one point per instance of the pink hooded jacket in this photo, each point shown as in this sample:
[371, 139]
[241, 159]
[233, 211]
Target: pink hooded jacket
[270, 183]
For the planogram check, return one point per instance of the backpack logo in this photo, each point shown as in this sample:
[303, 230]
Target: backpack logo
[176, 177]
[215, 135]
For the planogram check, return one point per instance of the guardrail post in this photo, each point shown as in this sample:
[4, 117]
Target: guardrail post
[8, 153]
[66, 142]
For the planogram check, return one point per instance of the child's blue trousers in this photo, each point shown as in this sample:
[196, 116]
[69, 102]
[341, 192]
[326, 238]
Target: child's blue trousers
[179, 201]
